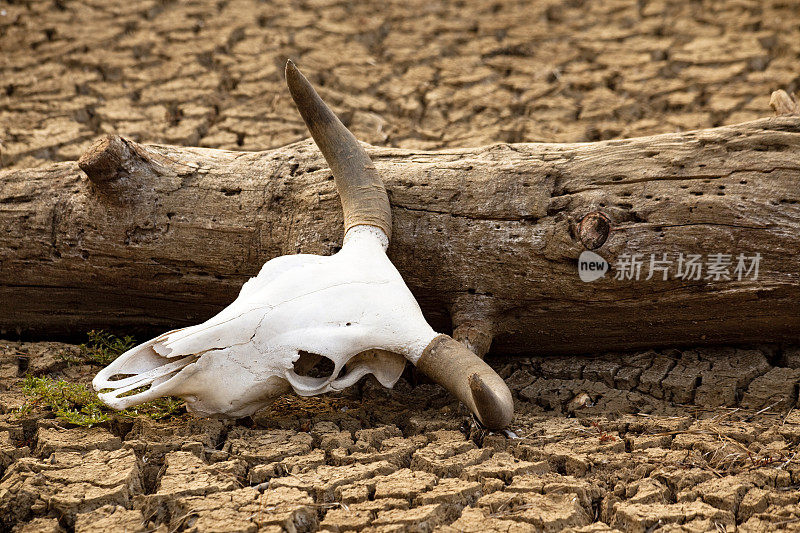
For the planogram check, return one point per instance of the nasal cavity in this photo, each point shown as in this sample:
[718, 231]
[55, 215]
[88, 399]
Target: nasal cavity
[118, 377]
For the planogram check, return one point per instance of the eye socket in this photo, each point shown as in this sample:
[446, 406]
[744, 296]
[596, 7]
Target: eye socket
[313, 365]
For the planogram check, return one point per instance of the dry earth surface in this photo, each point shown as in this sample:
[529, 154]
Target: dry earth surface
[692, 440]
[669, 441]
[409, 73]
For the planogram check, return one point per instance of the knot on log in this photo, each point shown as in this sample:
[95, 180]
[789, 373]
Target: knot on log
[593, 230]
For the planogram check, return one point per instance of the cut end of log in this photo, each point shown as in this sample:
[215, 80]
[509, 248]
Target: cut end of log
[593, 230]
[783, 103]
[104, 159]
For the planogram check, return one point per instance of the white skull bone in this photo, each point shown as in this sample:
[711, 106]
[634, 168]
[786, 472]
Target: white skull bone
[235, 363]
[352, 307]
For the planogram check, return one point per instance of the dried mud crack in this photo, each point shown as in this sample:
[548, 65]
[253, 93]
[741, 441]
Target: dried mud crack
[692, 440]
[689, 440]
[407, 74]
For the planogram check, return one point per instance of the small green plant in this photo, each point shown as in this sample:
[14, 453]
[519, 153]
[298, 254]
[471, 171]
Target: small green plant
[70, 402]
[76, 404]
[104, 347]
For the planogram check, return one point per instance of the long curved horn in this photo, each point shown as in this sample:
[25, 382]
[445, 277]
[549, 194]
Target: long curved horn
[363, 195]
[453, 366]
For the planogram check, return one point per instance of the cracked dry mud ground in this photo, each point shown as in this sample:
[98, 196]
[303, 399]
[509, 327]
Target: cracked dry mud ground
[672, 440]
[407, 73]
[650, 441]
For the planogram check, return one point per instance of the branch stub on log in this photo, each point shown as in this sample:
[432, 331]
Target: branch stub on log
[103, 160]
[783, 103]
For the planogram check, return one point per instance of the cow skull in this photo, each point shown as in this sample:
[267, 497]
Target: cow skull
[352, 308]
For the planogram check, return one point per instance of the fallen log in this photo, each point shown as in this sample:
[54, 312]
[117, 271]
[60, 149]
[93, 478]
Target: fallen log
[149, 237]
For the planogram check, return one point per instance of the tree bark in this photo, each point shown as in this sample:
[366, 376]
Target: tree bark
[488, 239]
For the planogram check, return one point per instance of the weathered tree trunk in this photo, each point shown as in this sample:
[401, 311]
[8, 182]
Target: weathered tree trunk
[163, 236]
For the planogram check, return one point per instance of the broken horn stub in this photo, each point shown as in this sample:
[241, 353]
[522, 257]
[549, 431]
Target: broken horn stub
[364, 198]
[453, 366]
